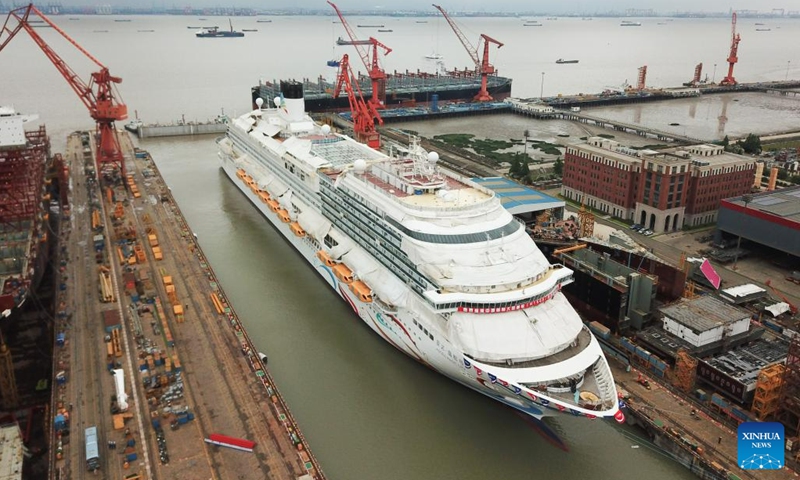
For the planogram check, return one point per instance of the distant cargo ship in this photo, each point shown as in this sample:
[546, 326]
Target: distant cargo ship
[626, 23]
[214, 32]
[402, 89]
[561, 60]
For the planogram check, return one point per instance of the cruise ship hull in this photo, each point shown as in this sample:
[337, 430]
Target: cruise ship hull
[398, 328]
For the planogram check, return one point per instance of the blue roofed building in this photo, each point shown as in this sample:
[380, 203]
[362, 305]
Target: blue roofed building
[521, 201]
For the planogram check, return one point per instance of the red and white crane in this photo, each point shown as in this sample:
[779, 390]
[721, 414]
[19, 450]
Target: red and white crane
[99, 95]
[364, 113]
[733, 57]
[482, 64]
[374, 70]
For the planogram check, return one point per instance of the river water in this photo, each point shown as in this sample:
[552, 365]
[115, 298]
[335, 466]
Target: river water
[368, 411]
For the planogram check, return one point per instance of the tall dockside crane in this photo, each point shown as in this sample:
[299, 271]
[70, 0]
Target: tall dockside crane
[376, 73]
[732, 58]
[482, 65]
[364, 113]
[99, 95]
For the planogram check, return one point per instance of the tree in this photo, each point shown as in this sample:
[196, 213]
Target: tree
[751, 144]
[526, 134]
[525, 169]
[514, 171]
[726, 141]
[558, 167]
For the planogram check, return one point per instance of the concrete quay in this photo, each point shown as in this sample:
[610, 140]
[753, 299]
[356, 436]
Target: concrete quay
[140, 296]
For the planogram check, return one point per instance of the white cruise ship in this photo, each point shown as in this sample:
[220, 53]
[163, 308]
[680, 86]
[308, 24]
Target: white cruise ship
[428, 259]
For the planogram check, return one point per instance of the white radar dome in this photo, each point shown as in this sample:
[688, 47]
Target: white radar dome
[326, 129]
[277, 101]
[259, 102]
[433, 157]
[360, 166]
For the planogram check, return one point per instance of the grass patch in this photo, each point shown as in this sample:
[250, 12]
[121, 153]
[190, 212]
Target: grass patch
[781, 145]
[605, 135]
[410, 132]
[584, 138]
[460, 140]
[545, 147]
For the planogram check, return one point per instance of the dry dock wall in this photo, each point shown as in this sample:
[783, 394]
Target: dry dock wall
[181, 130]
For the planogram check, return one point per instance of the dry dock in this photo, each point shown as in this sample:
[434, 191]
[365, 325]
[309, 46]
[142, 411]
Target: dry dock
[698, 441]
[140, 296]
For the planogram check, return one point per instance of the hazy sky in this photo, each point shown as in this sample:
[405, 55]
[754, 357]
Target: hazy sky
[464, 5]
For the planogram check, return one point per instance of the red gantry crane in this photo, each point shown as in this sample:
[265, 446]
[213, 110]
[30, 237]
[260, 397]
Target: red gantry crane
[732, 58]
[364, 113]
[482, 65]
[376, 73]
[99, 95]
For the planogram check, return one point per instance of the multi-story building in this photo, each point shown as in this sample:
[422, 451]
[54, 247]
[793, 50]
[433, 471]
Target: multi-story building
[662, 190]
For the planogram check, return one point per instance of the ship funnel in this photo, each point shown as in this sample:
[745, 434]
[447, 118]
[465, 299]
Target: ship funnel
[292, 92]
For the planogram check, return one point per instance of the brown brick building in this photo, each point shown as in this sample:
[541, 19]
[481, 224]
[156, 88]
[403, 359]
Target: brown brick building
[662, 190]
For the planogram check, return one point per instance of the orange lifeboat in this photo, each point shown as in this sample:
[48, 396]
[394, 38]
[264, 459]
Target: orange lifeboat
[273, 205]
[264, 196]
[343, 273]
[297, 229]
[284, 216]
[325, 258]
[240, 173]
[361, 290]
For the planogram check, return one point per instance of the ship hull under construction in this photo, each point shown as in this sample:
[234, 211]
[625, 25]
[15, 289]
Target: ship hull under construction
[401, 90]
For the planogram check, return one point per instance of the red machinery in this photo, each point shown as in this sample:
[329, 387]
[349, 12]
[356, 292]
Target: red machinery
[641, 78]
[99, 95]
[376, 73]
[364, 113]
[698, 70]
[732, 58]
[482, 65]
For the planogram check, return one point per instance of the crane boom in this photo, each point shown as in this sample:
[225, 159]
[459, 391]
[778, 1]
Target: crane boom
[376, 73]
[733, 57]
[473, 52]
[482, 65]
[98, 95]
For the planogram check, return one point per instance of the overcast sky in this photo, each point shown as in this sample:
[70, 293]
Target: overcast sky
[475, 5]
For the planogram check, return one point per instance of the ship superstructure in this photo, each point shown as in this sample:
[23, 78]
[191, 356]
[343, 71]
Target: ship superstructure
[430, 260]
[23, 162]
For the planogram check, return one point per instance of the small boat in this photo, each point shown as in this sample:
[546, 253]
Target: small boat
[263, 21]
[532, 25]
[385, 31]
[74, 18]
[421, 21]
[628, 23]
[145, 30]
[561, 60]
[372, 26]
[434, 56]
[100, 31]
[122, 20]
[759, 23]
[763, 29]
[249, 30]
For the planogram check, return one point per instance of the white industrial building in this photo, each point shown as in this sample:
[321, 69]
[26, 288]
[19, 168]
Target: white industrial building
[704, 320]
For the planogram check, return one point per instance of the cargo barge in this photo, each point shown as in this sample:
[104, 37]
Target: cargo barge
[403, 89]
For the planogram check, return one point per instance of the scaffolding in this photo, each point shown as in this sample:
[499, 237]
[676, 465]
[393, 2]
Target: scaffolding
[586, 219]
[685, 370]
[789, 404]
[768, 391]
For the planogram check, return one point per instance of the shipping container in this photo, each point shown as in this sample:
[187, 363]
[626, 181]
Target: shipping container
[627, 344]
[642, 353]
[701, 395]
[600, 330]
[773, 326]
[719, 401]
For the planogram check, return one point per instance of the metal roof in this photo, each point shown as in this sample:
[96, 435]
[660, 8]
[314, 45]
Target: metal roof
[704, 313]
[517, 198]
[783, 203]
[11, 452]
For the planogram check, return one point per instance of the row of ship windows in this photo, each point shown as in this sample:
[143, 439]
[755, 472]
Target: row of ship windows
[298, 187]
[362, 211]
[408, 274]
[499, 232]
[423, 329]
[502, 306]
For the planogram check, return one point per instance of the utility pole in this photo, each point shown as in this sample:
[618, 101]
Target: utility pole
[541, 91]
[746, 198]
[714, 77]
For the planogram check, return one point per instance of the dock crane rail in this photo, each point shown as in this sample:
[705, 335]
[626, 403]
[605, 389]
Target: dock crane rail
[99, 95]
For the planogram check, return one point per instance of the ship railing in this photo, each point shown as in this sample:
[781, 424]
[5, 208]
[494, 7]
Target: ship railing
[424, 208]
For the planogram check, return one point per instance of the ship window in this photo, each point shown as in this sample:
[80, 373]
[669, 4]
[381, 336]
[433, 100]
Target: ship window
[507, 229]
